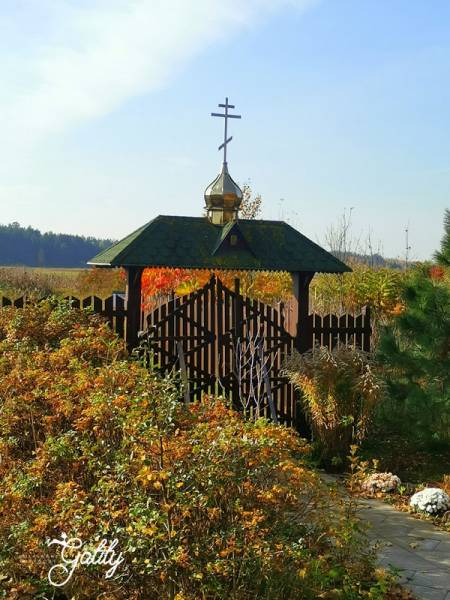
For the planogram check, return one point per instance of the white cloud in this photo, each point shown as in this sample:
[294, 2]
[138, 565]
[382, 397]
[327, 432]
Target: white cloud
[96, 54]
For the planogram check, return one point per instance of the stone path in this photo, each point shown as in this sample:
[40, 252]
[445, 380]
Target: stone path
[420, 551]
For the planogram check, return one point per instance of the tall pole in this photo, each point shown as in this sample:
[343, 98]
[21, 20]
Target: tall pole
[407, 247]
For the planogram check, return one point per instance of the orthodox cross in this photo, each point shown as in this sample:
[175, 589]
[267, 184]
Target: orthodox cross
[226, 116]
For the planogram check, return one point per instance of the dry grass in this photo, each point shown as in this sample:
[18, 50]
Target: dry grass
[41, 282]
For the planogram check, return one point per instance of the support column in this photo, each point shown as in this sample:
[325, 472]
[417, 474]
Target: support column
[301, 326]
[133, 306]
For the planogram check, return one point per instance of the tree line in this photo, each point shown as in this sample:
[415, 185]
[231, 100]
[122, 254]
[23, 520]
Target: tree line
[26, 246]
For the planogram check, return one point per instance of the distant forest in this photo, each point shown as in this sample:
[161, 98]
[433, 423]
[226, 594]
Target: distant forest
[29, 247]
[372, 260]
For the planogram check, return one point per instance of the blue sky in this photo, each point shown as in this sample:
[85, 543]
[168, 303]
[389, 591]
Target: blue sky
[104, 112]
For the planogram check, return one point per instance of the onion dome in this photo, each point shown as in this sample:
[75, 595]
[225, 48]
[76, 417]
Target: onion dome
[223, 198]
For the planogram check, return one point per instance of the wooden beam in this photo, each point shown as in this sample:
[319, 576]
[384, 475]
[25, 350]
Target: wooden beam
[301, 321]
[133, 306]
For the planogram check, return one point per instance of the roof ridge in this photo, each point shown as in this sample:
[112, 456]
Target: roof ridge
[240, 220]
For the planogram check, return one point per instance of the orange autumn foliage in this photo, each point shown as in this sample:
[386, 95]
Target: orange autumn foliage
[437, 272]
[203, 503]
[159, 283]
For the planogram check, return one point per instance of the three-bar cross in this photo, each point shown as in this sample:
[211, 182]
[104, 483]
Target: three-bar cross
[226, 116]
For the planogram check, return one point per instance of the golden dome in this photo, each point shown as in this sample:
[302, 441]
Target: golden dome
[223, 198]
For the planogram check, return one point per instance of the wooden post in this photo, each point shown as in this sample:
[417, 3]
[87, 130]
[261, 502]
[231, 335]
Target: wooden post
[133, 306]
[367, 330]
[301, 324]
[301, 329]
[290, 323]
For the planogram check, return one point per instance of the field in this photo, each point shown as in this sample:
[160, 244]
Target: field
[39, 281]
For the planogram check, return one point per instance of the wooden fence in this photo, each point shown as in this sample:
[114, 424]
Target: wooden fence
[113, 308]
[201, 335]
[342, 330]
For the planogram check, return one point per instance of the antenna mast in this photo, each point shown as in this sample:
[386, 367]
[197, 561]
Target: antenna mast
[407, 247]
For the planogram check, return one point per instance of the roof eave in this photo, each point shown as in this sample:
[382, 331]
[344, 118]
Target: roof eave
[206, 267]
[99, 264]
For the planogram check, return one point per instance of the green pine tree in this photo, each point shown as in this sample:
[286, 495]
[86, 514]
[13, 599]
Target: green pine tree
[442, 256]
[415, 352]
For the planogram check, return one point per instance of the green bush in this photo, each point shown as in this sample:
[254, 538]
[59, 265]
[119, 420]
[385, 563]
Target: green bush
[378, 288]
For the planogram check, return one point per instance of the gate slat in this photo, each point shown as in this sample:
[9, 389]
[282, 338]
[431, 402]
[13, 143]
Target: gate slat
[213, 344]
[227, 346]
[220, 334]
[185, 341]
[198, 353]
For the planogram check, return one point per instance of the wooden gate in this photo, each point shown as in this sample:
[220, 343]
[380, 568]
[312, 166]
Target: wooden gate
[225, 344]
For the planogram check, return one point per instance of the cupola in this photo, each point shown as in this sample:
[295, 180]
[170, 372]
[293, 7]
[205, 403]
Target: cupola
[223, 198]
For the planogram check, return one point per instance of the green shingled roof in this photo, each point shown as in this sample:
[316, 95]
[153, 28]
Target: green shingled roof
[192, 242]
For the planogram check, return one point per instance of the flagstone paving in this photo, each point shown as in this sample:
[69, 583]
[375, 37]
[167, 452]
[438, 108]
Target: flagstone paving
[414, 548]
[417, 549]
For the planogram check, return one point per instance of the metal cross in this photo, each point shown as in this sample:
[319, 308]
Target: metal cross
[226, 116]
